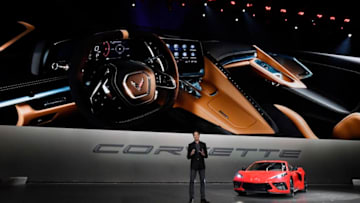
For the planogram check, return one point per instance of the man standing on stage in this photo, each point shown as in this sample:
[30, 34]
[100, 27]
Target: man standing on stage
[197, 152]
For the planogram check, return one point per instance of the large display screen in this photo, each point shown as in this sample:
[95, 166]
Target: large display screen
[188, 55]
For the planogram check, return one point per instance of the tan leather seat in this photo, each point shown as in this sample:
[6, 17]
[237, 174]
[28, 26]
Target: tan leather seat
[299, 122]
[348, 128]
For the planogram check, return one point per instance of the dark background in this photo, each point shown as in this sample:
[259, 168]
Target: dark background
[64, 18]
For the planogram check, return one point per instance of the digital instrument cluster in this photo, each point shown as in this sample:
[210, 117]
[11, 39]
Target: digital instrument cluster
[188, 55]
[110, 50]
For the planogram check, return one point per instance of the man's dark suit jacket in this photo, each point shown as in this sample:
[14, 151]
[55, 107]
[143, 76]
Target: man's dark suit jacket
[197, 160]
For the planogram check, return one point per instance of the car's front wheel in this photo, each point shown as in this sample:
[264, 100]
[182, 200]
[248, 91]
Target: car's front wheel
[292, 191]
[305, 185]
[241, 193]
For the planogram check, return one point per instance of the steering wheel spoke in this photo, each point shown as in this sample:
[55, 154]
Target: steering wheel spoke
[101, 95]
[164, 80]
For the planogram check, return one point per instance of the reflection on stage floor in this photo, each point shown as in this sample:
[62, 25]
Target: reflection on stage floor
[164, 192]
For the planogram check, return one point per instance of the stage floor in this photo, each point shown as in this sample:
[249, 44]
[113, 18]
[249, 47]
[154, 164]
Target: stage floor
[169, 193]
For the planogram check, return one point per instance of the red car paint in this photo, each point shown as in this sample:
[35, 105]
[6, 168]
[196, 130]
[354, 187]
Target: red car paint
[270, 176]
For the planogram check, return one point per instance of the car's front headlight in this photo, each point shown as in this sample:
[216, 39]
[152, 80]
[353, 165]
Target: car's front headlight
[238, 175]
[279, 176]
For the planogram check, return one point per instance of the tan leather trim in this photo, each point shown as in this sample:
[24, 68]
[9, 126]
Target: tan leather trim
[290, 80]
[348, 128]
[237, 64]
[299, 122]
[125, 34]
[28, 27]
[26, 113]
[223, 105]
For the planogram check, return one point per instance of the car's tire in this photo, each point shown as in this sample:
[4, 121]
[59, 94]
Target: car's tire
[292, 190]
[241, 193]
[305, 185]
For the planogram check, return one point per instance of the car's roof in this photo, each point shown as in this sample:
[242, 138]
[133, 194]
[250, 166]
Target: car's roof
[271, 161]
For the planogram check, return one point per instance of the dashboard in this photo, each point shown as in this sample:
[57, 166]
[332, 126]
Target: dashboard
[188, 54]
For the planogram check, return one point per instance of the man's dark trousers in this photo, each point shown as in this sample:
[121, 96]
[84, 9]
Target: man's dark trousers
[202, 182]
[197, 166]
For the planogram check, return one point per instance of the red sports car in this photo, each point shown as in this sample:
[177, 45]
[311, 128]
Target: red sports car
[267, 176]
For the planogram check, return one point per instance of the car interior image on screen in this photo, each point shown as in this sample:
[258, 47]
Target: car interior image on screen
[226, 72]
[232, 70]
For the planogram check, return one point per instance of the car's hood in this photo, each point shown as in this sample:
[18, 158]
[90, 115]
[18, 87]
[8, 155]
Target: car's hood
[259, 176]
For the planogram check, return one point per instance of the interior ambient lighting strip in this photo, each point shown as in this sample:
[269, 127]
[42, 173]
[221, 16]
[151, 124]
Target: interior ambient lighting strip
[36, 96]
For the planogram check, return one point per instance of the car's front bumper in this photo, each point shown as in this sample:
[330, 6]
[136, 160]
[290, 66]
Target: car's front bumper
[269, 187]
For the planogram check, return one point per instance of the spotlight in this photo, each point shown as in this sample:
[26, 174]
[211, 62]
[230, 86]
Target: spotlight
[319, 16]
[332, 17]
[301, 13]
[203, 15]
[341, 28]
[286, 19]
[346, 20]
[296, 27]
[282, 10]
[205, 4]
[268, 8]
[232, 3]
[314, 24]
[221, 10]
[249, 5]
[349, 35]
[236, 19]
[312, 21]
[254, 15]
[243, 10]
[133, 4]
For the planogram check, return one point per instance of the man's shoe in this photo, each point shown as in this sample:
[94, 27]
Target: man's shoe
[204, 201]
[191, 200]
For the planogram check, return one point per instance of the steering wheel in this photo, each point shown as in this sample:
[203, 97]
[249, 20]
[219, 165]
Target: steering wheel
[117, 81]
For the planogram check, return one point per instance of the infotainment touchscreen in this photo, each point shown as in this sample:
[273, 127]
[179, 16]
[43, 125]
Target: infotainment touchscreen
[188, 55]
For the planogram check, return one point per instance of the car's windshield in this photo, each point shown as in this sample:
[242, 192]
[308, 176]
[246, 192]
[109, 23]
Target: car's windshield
[267, 166]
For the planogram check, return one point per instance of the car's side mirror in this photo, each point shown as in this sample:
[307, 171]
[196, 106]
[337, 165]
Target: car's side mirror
[295, 168]
[243, 168]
